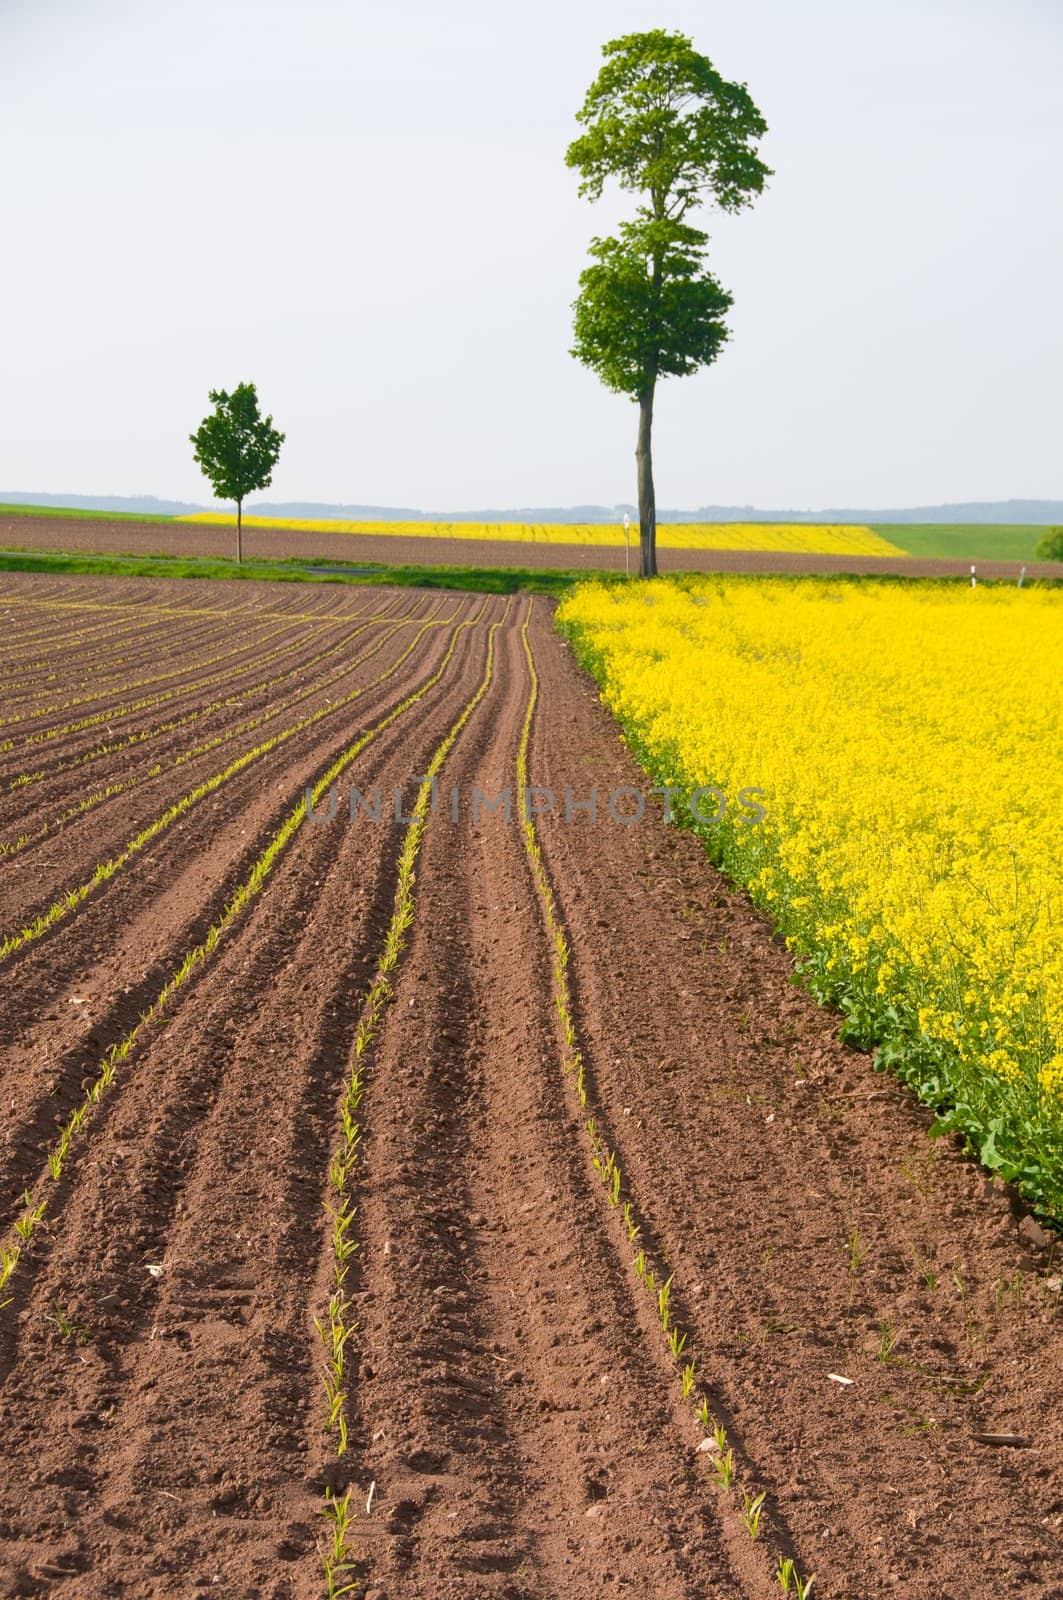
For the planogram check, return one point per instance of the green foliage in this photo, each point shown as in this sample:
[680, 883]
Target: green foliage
[662, 122]
[337, 1557]
[647, 307]
[752, 1510]
[660, 119]
[790, 1581]
[236, 446]
[1050, 546]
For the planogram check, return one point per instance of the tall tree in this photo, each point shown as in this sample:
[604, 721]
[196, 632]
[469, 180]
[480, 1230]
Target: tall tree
[662, 121]
[237, 449]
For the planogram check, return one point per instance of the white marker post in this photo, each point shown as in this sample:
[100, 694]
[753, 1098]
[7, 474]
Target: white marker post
[627, 544]
[974, 578]
[1022, 577]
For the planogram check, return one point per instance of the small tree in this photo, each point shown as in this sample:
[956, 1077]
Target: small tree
[237, 449]
[1050, 546]
[661, 121]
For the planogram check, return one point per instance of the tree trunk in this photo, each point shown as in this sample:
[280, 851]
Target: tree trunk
[647, 498]
[239, 531]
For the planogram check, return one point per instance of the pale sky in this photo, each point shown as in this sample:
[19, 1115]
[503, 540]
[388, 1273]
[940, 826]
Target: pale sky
[365, 209]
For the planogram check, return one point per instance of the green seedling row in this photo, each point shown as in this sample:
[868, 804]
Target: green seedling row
[135, 633]
[276, 708]
[172, 648]
[98, 752]
[129, 708]
[285, 621]
[106, 870]
[603, 1160]
[152, 639]
[337, 1328]
[34, 1206]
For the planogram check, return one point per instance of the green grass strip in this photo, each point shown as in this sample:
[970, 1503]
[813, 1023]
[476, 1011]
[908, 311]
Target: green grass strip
[78, 514]
[481, 580]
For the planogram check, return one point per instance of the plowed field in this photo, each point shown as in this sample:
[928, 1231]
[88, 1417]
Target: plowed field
[288, 544]
[369, 1186]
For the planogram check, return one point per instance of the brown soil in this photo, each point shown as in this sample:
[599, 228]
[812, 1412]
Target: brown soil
[205, 539]
[516, 1425]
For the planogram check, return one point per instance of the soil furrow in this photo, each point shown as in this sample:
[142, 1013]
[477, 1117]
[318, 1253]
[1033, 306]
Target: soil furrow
[82, 660]
[51, 641]
[776, 1168]
[83, 752]
[41, 924]
[505, 1412]
[236, 1079]
[99, 831]
[101, 970]
[88, 667]
[31, 731]
[37, 750]
[79, 658]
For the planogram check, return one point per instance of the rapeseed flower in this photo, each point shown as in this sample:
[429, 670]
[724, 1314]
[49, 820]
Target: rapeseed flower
[906, 742]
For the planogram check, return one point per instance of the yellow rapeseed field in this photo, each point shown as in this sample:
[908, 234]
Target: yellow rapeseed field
[801, 538]
[907, 739]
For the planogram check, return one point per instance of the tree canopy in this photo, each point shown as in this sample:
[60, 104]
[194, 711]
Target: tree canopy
[647, 308]
[662, 122]
[1050, 545]
[237, 448]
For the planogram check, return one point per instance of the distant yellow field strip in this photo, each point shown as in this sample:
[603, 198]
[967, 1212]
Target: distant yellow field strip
[799, 537]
